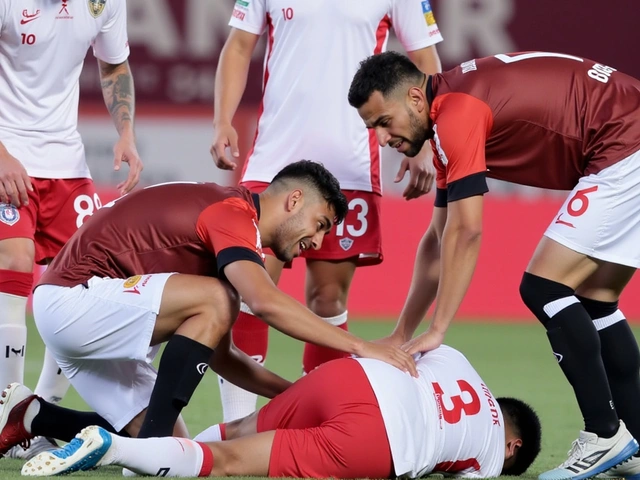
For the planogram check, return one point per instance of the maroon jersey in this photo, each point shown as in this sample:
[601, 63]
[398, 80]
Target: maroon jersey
[537, 118]
[192, 228]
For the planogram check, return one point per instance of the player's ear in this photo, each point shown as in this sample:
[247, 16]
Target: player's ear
[294, 200]
[417, 99]
[512, 446]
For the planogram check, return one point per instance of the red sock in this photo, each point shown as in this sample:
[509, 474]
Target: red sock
[207, 460]
[251, 335]
[16, 283]
[314, 355]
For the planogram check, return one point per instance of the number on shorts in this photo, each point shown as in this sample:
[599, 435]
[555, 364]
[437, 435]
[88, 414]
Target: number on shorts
[84, 206]
[454, 414]
[361, 218]
[581, 199]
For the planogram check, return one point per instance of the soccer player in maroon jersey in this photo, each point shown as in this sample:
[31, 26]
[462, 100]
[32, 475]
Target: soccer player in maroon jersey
[168, 264]
[548, 120]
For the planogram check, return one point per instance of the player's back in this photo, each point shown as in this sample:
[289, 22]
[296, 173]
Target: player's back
[152, 230]
[554, 117]
[313, 51]
[445, 420]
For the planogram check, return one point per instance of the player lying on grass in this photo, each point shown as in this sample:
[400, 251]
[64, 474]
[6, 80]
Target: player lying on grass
[168, 264]
[349, 418]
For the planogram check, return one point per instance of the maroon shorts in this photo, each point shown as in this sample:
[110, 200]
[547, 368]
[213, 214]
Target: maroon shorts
[359, 235]
[328, 424]
[57, 208]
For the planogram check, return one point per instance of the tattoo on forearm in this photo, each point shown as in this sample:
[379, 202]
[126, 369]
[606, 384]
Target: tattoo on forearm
[117, 89]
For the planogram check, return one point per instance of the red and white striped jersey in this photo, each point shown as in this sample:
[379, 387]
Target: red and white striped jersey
[313, 52]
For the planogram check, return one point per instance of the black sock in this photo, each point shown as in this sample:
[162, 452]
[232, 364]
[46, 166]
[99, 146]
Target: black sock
[576, 345]
[621, 358]
[63, 423]
[182, 366]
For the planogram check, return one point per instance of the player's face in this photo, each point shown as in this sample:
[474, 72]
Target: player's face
[304, 229]
[397, 123]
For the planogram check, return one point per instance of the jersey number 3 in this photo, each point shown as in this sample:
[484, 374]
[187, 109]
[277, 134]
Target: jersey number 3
[458, 405]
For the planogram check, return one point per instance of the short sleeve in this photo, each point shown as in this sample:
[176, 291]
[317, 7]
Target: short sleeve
[112, 44]
[414, 24]
[250, 16]
[462, 124]
[229, 229]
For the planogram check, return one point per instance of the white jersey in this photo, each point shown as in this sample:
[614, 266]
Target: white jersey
[313, 52]
[446, 420]
[43, 44]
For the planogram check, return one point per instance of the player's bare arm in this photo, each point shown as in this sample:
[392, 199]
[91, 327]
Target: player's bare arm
[287, 315]
[14, 180]
[458, 256]
[240, 369]
[119, 97]
[231, 80]
[424, 283]
[420, 167]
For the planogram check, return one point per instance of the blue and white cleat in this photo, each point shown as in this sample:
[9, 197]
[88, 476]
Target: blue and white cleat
[629, 470]
[591, 455]
[83, 453]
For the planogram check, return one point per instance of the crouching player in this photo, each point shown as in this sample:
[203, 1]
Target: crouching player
[349, 418]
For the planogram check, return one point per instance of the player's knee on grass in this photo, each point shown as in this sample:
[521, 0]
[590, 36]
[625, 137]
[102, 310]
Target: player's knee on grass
[538, 293]
[17, 254]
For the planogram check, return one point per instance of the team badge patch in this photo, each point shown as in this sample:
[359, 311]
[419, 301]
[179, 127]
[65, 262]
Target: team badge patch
[132, 281]
[96, 7]
[346, 243]
[428, 13]
[9, 214]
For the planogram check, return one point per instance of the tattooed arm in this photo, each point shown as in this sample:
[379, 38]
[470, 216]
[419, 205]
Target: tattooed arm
[119, 97]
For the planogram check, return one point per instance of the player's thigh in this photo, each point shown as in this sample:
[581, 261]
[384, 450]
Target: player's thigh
[108, 319]
[606, 283]
[17, 233]
[117, 390]
[358, 236]
[65, 205]
[188, 295]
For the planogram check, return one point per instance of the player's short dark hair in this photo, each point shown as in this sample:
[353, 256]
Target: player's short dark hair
[319, 178]
[526, 425]
[383, 72]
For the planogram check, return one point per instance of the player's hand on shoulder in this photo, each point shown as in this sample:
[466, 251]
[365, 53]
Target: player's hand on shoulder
[224, 136]
[425, 342]
[125, 151]
[391, 355]
[421, 174]
[14, 180]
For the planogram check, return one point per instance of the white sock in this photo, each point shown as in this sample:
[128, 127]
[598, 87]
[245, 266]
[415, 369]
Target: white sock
[52, 384]
[13, 338]
[236, 402]
[211, 434]
[160, 457]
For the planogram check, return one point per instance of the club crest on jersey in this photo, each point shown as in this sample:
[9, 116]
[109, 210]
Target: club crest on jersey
[9, 214]
[96, 7]
[346, 243]
[428, 13]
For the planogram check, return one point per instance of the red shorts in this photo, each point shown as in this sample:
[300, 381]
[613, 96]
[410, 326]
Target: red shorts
[359, 235]
[57, 207]
[328, 424]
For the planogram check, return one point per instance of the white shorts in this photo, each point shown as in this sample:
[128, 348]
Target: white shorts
[100, 337]
[601, 216]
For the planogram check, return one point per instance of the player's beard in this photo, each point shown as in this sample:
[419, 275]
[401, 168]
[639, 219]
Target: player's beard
[286, 238]
[419, 135]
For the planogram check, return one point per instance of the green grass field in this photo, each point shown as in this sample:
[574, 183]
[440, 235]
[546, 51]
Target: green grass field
[514, 360]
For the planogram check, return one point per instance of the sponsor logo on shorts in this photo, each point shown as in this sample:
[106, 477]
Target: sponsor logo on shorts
[558, 356]
[428, 13]
[9, 214]
[131, 284]
[346, 243]
[202, 367]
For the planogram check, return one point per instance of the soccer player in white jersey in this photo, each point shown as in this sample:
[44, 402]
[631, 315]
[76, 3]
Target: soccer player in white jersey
[313, 51]
[349, 418]
[46, 191]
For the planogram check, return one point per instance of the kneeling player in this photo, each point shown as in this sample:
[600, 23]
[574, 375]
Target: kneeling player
[350, 418]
